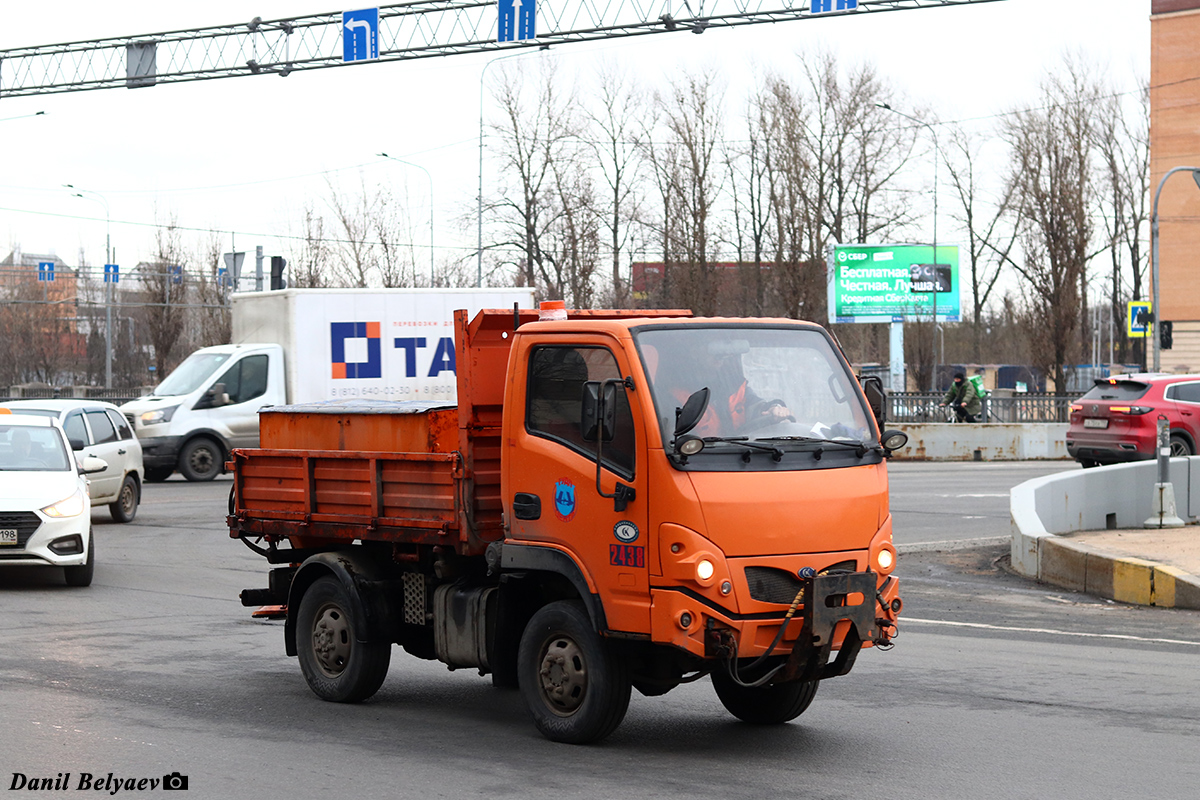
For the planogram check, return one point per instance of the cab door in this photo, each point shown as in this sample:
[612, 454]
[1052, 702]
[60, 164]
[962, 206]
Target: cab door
[105, 444]
[552, 487]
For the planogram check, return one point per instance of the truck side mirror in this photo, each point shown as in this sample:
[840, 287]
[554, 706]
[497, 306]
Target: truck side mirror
[215, 397]
[872, 386]
[597, 418]
[693, 409]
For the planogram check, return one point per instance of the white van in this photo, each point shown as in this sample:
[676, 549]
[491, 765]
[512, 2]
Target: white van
[324, 344]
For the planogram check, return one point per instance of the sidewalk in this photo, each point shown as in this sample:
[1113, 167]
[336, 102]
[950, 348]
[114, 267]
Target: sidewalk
[1150, 566]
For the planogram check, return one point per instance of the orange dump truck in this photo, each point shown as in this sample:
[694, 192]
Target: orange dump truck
[618, 500]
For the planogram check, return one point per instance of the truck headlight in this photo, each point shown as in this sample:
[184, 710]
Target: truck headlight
[68, 507]
[705, 569]
[158, 415]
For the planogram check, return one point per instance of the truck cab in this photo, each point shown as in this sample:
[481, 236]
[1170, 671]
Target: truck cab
[205, 408]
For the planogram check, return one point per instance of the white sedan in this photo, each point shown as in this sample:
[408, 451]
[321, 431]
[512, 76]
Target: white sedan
[45, 511]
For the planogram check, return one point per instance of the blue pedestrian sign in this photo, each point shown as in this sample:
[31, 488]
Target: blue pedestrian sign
[518, 20]
[1137, 319]
[45, 270]
[826, 6]
[112, 273]
[360, 35]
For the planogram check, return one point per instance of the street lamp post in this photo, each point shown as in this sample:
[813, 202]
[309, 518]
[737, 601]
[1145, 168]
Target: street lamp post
[479, 250]
[933, 337]
[1156, 316]
[430, 177]
[88, 194]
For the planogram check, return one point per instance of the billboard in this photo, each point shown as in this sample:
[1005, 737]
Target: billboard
[893, 283]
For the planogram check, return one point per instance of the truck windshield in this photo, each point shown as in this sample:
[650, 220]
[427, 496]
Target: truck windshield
[189, 375]
[766, 383]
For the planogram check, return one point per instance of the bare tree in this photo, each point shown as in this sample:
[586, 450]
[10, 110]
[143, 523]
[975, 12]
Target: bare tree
[692, 119]
[990, 240]
[1052, 193]
[164, 281]
[356, 252]
[536, 139]
[621, 104]
[311, 258]
[1123, 142]
[212, 316]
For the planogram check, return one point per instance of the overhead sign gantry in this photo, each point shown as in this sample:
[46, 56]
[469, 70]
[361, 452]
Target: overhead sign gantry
[420, 29]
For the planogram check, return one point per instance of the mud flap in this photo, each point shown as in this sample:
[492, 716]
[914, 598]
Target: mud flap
[827, 602]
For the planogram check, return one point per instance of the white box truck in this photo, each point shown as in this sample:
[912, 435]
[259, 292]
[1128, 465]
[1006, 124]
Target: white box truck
[301, 346]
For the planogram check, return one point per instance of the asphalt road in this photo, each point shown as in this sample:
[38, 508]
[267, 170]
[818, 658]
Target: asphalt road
[997, 688]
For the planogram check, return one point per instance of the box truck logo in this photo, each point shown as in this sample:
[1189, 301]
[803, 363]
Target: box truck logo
[443, 355]
[339, 333]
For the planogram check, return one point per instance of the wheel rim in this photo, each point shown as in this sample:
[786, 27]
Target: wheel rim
[1179, 448]
[563, 676]
[127, 499]
[201, 460]
[331, 640]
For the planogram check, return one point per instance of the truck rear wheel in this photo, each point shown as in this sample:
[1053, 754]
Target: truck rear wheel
[573, 685]
[764, 705]
[336, 666]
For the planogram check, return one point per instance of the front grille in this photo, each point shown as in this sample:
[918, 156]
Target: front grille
[26, 523]
[770, 585]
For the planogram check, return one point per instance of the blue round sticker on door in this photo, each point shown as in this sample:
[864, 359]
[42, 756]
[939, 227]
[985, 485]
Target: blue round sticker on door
[625, 531]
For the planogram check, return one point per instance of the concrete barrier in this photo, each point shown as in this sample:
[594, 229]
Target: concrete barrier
[1114, 497]
[992, 441]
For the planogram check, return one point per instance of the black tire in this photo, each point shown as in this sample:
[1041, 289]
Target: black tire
[336, 666]
[82, 575]
[576, 689]
[764, 705]
[1180, 446]
[201, 459]
[158, 474]
[125, 507]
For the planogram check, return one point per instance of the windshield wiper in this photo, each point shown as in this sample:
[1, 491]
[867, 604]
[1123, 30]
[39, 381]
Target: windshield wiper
[861, 448]
[776, 453]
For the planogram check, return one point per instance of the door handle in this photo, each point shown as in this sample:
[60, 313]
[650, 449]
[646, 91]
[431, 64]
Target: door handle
[121, 452]
[527, 506]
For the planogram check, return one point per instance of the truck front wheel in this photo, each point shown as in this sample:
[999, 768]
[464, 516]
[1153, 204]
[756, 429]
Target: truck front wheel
[763, 705]
[576, 689]
[336, 666]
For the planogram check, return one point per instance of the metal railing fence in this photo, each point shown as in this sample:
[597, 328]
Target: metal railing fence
[1024, 407]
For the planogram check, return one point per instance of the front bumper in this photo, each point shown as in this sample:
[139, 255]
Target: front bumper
[160, 451]
[34, 545]
[842, 610]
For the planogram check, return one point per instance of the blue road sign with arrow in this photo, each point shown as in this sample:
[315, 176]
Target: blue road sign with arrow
[112, 273]
[517, 20]
[360, 35]
[45, 270]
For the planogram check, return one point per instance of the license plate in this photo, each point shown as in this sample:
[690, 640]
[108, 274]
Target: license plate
[1095, 423]
[8, 535]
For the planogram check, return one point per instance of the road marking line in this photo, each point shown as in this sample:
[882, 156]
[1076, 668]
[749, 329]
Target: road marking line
[999, 494]
[1052, 631]
[951, 544]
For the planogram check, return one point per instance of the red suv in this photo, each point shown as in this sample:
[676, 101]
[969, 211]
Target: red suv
[1118, 419]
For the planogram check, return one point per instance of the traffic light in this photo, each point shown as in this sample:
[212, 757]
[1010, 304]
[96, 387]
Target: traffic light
[1164, 335]
[277, 265]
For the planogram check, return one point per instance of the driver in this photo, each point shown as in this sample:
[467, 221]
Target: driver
[733, 406]
[22, 446]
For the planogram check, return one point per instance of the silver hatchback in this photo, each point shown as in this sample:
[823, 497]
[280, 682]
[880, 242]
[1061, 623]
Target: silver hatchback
[98, 429]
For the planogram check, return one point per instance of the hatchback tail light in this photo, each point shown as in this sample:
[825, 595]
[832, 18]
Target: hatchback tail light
[1131, 410]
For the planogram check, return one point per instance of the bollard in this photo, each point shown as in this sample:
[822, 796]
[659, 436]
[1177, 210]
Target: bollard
[1163, 501]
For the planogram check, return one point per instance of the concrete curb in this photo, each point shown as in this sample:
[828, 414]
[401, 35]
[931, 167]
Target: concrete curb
[1096, 499]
